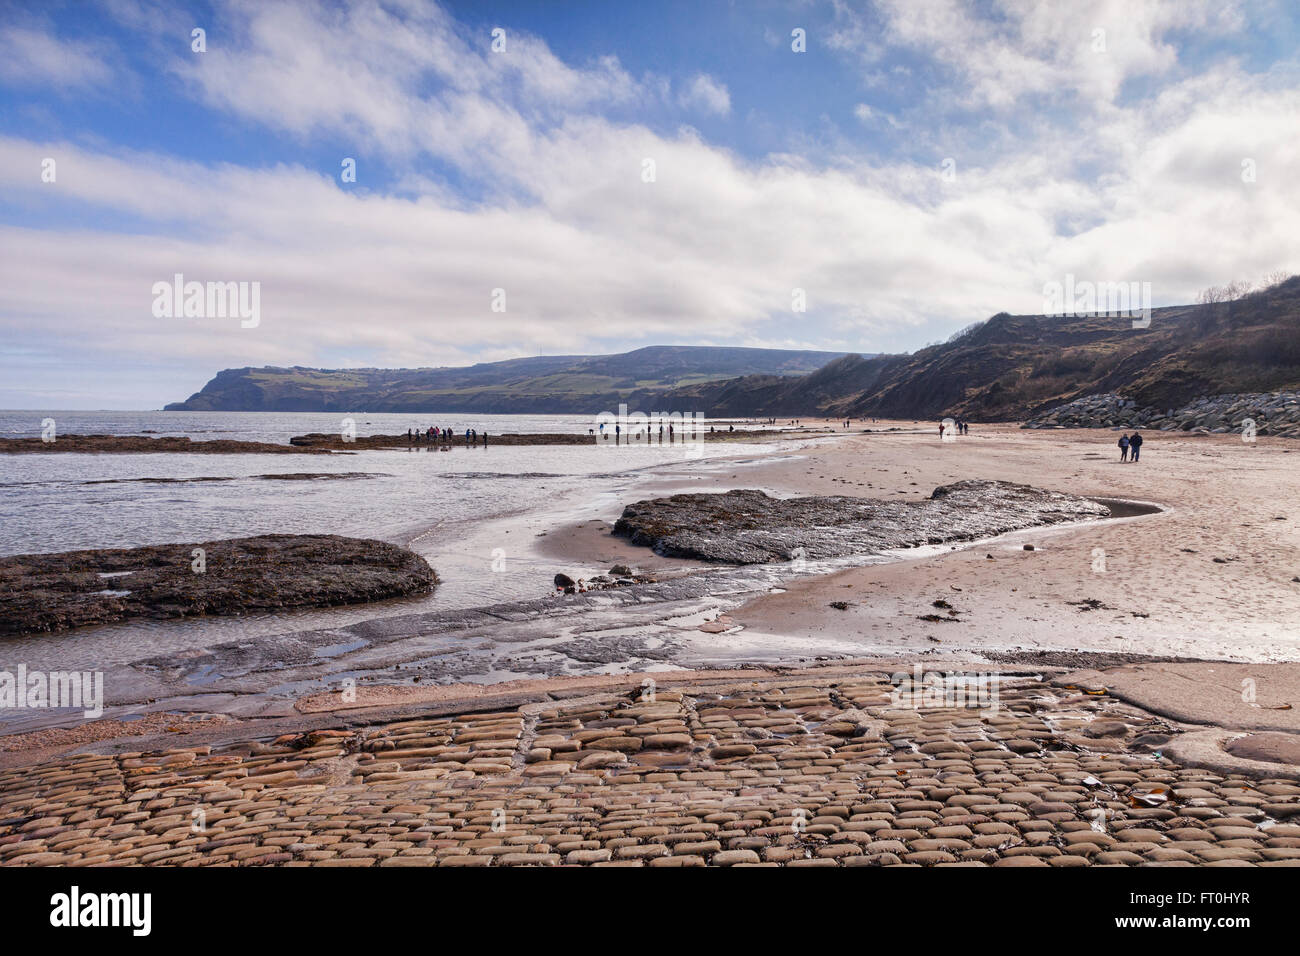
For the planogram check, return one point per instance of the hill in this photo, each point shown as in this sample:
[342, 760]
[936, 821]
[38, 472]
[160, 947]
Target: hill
[1012, 366]
[560, 384]
[1007, 368]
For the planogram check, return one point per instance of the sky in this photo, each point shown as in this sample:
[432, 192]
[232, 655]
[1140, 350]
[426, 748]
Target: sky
[591, 177]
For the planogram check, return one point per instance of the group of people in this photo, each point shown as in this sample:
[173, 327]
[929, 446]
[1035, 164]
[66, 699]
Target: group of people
[443, 437]
[1130, 445]
[648, 432]
[961, 426]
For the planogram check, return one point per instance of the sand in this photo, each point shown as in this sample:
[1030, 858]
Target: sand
[1162, 591]
[1148, 585]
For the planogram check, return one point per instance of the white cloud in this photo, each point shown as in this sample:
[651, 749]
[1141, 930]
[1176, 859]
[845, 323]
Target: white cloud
[30, 57]
[707, 94]
[592, 256]
[870, 117]
[409, 82]
[1084, 49]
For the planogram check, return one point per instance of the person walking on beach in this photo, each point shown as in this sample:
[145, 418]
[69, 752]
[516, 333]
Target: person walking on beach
[485, 439]
[1123, 448]
[1135, 445]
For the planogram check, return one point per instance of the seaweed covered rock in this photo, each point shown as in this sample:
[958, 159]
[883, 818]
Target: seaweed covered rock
[747, 526]
[52, 592]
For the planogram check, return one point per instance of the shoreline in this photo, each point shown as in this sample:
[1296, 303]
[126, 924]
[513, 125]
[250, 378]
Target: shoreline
[320, 443]
[686, 609]
[700, 616]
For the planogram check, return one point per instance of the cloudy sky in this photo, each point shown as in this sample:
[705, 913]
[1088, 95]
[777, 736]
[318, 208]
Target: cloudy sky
[628, 173]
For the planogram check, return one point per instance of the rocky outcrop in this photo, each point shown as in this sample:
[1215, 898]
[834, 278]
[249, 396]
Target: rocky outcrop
[633, 436]
[1273, 413]
[619, 576]
[333, 441]
[53, 592]
[749, 527]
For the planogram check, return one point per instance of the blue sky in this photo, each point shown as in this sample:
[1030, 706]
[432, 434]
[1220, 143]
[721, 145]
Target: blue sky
[922, 165]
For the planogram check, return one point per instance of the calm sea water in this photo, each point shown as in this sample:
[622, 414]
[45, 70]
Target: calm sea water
[272, 426]
[69, 501]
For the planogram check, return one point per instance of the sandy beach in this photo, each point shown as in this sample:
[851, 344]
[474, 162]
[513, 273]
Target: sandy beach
[1214, 575]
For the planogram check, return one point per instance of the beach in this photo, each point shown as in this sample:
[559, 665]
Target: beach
[1197, 561]
[1213, 575]
[1193, 563]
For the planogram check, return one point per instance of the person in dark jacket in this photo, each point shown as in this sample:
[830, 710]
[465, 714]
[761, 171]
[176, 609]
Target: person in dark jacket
[1135, 445]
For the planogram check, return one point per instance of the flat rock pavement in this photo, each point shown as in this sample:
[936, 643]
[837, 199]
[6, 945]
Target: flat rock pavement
[1218, 693]
[809, 770]
[1249, 713]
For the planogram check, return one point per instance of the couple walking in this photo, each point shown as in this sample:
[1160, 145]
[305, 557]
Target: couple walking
[1130, 444]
